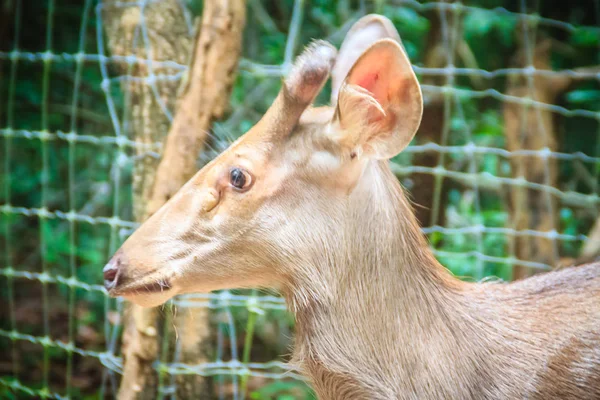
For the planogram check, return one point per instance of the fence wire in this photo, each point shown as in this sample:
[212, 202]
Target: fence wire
[80, 196]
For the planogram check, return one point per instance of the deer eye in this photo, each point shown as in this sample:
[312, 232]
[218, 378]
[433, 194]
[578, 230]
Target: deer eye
[240, 179]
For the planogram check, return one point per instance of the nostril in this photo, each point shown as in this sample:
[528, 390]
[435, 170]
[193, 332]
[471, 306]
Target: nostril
[113, 271]
[110, 274]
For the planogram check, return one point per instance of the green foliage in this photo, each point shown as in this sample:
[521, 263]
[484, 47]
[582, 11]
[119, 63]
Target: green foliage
[586, 37]
[463, 212]
[283, 390]
[489, 25]
[6, 392]
[484, 30]
[587, 98]
[83, 178]
[413, 28]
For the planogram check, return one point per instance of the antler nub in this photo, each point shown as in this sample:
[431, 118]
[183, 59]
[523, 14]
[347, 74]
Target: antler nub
[310, 72]
[304, 82]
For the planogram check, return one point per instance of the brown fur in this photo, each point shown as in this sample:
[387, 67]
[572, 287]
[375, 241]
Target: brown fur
[326, 221]
[397, 325]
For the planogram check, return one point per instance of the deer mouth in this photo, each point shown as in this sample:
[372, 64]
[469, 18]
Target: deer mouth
[147, 285]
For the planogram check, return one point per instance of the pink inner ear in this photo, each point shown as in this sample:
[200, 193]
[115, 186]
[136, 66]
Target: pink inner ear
[375, 75]
[368, 81]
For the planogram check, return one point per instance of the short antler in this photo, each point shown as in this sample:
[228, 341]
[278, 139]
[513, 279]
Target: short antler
[309, 73]
[306, 79]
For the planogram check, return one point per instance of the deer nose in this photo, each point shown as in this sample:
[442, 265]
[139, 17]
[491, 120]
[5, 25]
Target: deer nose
[111, 271]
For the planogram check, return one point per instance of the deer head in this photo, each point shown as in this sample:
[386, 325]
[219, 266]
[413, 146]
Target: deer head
[268, 208]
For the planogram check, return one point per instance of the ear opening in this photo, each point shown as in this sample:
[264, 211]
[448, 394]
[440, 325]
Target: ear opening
[363, 34]
[380, 103]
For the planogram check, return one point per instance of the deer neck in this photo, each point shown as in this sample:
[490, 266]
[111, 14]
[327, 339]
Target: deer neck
[381, 292]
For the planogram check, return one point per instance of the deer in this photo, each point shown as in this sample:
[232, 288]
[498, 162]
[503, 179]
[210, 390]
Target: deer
[306, 202]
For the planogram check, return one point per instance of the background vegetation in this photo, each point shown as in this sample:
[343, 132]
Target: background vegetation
[52, 86]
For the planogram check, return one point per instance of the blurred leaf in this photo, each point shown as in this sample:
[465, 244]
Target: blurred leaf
[586, 36]
[584, 96]
[478, 23]
[407, 19]
[283, 390]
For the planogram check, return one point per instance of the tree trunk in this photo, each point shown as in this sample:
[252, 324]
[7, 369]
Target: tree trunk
[430, 193]
[430, 130]
[532, 128]
[590, 251]
[204, 98]
[529, 127]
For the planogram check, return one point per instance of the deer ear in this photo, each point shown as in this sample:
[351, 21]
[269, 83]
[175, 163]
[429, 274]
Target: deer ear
[366, 31]
[379, 105]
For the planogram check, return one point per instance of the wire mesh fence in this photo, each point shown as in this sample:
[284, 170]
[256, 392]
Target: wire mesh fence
[505, 171]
